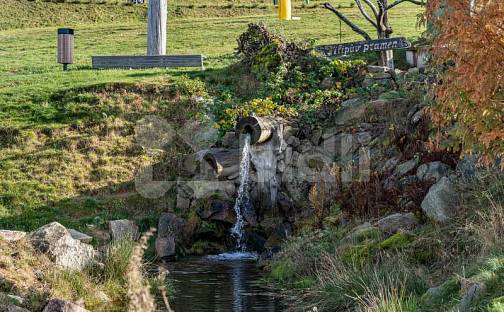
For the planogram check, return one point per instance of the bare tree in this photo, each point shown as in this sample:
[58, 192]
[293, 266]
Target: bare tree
[378, 18]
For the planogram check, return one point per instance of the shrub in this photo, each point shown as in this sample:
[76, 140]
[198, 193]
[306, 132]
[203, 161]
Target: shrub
[471, 93]
[257, 107]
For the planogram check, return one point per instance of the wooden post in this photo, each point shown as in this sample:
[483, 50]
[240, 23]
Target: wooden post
[156, 27]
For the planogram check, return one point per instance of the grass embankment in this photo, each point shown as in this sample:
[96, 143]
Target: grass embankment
[111, 286]
[340, 266]
[66, 138]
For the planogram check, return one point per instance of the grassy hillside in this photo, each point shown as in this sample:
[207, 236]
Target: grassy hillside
[54, 139]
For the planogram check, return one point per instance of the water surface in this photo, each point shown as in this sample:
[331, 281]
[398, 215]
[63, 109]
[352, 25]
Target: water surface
[227, 282]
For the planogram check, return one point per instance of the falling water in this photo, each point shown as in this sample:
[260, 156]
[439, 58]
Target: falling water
[242, 197]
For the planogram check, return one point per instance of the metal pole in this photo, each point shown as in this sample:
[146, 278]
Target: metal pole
[340, 35]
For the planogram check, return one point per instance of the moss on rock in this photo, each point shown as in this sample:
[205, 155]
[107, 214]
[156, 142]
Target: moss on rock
[397, 241]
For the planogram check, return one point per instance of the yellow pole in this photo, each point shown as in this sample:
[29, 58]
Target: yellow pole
[284, 9]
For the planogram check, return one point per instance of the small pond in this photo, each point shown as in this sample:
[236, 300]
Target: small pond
[226, 282]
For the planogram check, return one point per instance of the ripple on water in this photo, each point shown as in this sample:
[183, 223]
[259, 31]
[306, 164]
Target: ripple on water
[233, 256]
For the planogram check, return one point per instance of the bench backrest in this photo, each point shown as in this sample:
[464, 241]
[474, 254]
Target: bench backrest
[140, 61]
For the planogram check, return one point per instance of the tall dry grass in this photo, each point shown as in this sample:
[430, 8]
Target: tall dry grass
[139, 292]
[388, 284]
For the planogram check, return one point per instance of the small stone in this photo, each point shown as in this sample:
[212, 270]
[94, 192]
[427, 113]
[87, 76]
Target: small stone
[80, 236]
[474, 291]
[124, 229]
[399, 221]
[57, 305]
[433, 171]
[381, 75]
[327, 83]
[11, 236]
[418, 116]
[351, 102]
[377, 69]
[405, 167]
[183, 203]
[406, 181]
[14, 308]
[441, 201]
[390, 164]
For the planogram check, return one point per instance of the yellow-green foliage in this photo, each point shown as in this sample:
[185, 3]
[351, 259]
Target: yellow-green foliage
[257, 107]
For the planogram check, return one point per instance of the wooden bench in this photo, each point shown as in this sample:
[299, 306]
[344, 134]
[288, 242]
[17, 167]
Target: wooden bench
[141, 61]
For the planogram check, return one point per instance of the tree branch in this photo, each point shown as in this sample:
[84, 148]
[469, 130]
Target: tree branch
[365, 14]
[373, 8]
[354, 27]
[422, 2]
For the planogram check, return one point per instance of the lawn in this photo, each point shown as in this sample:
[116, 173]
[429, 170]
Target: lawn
[39, 175]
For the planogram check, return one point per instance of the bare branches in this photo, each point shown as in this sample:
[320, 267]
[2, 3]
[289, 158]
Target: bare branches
[365, 14]
[373, 7]
[422, 2]
[354, 27]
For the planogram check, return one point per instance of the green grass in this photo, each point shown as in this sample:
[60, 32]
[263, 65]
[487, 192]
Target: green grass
[47, 116]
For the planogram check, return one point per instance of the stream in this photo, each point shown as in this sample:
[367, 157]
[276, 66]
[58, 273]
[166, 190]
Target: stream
[226, 282]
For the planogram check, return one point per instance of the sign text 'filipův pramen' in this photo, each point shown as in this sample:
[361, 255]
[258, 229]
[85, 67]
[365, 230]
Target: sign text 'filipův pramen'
[334, 50]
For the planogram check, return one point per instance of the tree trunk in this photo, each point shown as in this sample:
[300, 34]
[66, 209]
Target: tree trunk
[156, 27]
[386, 57]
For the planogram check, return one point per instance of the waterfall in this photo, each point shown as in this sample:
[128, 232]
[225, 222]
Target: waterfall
[242, 198]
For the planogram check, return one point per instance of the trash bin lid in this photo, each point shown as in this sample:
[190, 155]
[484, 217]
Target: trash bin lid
[65, 31]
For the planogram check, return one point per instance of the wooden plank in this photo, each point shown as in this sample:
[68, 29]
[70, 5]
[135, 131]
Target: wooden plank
[141, 61]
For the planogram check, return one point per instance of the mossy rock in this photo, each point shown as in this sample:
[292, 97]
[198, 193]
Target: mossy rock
[367, 233]
[358, 254]
[435, 297]
[398, 241]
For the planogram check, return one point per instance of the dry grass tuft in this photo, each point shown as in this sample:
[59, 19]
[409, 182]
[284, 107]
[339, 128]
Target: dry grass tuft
[140, 298]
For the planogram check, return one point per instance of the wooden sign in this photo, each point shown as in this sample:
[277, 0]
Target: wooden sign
[334, 50]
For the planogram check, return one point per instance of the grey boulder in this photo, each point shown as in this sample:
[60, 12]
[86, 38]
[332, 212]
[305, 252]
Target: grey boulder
[441, 201]
[54, 240]
[123, 229]
[398, 221]
[405, 167]
[57, 305]
[170, 230]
